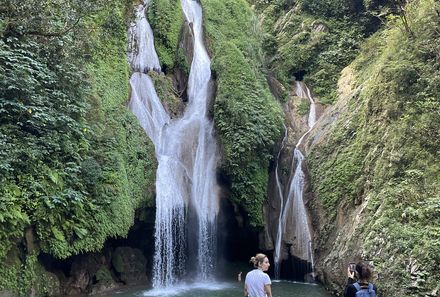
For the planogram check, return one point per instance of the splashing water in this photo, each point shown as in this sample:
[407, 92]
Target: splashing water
[185, 149]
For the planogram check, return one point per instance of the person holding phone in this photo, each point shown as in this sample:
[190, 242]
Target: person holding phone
[257, 282]
[362, 273]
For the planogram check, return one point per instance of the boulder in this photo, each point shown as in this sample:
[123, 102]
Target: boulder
[103, 287]
[105, 282]
[49, 284]
[130, 265]
[84, 268]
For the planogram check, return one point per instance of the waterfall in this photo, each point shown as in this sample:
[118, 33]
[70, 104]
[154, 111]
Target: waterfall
[293, 209]
[280, 195]
[141, 53]
[186, 152]
[204, 186]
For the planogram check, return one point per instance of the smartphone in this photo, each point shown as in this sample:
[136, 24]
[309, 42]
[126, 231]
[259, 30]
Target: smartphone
[352, 267]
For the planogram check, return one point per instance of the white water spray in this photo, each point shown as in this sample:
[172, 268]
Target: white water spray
[185, 149]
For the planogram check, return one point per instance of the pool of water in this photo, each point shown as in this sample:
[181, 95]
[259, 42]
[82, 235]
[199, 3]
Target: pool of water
[223, 289]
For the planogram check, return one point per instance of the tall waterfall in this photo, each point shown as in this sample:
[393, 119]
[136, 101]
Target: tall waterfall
[186, 152]
[293, 212]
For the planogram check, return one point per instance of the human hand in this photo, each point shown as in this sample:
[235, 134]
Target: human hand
[350, 274]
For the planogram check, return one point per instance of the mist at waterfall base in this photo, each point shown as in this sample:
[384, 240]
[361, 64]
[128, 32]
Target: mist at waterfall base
[224, 289]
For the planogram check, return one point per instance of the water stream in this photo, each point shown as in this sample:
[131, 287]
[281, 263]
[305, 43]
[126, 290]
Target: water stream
[186, 188]
[280, 195]
[292, 211]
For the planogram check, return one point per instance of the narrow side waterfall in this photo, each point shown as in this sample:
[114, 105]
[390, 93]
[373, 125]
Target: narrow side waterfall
[186, 151]
[280, 195]
[293, 212]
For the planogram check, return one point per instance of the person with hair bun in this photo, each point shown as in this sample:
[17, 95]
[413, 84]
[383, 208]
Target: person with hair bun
[363, 274]
[257, 282]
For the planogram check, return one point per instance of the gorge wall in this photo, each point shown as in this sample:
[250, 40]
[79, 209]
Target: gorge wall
[77, 171]
[370, 198]
[372, 167]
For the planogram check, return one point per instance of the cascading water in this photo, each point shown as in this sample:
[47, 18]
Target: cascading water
[292, 209]
[280, 195]
[185, 149]
[204, 186]
[141, 53]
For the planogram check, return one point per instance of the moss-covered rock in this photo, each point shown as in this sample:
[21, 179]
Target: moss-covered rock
[247, 117]
[312, 40]
[169, 95]
[130, 264]
[375, 173]
[27, 277]
[166, 19]
[103, 275]
[49, 284]
[75, 164]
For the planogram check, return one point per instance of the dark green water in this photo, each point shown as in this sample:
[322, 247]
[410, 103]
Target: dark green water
[224, 289]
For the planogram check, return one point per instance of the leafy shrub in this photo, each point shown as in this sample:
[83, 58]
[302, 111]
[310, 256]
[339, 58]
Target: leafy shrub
[383, 152]
[74, 162]
[166, 19]
[247, 118]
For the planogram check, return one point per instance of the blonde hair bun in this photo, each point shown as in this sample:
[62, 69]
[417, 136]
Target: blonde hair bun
[257, 259]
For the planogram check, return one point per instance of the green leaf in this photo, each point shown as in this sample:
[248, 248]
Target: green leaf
[58, 234]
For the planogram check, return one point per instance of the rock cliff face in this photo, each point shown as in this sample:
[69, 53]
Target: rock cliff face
[296, 111]
[371, 164]
[373, 156]
[296, 125]
[333, 231]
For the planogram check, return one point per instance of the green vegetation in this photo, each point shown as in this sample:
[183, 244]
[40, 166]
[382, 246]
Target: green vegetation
[74, 164]
[304, 107]
[166, 92]
[317, 37]
[247, 118]
[166, 19]
[384, 152]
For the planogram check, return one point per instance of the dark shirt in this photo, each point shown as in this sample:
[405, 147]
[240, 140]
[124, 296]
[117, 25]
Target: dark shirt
[350, 289]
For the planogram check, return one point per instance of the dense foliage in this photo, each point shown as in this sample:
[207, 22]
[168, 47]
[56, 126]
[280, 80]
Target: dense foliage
[315, 38]
[383, 153]
[74, 165]
[247, 118]
[167, 22]
[166, 19]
